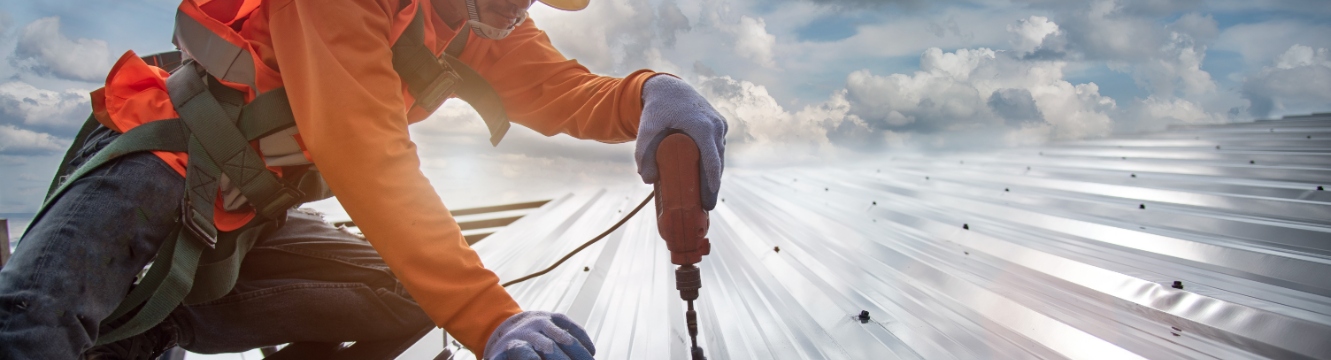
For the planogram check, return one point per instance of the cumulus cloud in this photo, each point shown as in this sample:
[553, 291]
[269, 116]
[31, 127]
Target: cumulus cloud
[753, 42]
[1029, 34]
[1299, 80]
[58, 112]
[43, 49]
[756, 118]
[1163, 58]
[973, 89]
[16, 141]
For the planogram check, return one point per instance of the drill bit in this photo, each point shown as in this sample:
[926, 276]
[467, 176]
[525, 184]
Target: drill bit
[688, 281]
[691, 318]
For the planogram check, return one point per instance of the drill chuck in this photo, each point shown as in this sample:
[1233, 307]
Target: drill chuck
[688, 280]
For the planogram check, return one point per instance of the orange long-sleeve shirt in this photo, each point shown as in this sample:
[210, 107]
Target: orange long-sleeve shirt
[335, 61]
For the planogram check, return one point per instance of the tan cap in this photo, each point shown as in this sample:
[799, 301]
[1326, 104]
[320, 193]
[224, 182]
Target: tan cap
[570, 5]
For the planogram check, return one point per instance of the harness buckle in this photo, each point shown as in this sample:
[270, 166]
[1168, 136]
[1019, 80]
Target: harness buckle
[201, 227]
[284, 199]
[438, 88]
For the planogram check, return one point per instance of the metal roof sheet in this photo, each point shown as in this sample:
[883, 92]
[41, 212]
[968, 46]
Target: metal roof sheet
[1198, 242]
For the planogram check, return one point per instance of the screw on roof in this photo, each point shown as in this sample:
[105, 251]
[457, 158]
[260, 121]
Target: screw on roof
[1134, 175]
[1141, 206]
[966, 226]
[926, 178]
[1177, 285]
[1217, 147]
[824, 189]
[1319, 188]
[966, 252]
[875, 202]
[864, 316]
[776, 248]
[1006, 190]
[1254, 162]
[1125, 158]
[585, 269]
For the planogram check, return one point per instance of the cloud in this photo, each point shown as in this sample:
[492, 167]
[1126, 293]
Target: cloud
[756, 118]
[671, 21]
[975, 89]
[1015, 106]
[16, 141]
[1129, 37]
[753, 42]
[44, 50]
[1261, 42]
[1299, 80]
[57, 112]
[1029, 34]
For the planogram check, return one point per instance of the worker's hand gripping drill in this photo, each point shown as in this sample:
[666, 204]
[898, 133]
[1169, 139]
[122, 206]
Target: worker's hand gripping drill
[680, 144]
[672, 106]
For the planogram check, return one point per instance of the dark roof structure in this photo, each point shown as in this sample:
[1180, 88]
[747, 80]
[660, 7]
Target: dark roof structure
[1203, 241]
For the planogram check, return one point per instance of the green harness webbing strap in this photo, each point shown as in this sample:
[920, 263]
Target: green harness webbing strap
[181, 263]
[172, 272]
[225, 144]
[166, 135]
[430, 79]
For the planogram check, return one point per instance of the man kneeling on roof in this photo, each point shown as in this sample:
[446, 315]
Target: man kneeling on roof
[197, 169]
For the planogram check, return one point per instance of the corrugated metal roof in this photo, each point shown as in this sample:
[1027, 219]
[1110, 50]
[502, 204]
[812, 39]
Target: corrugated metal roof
[1197, 242]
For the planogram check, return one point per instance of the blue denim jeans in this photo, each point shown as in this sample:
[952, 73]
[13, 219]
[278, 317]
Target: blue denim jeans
[305, 282]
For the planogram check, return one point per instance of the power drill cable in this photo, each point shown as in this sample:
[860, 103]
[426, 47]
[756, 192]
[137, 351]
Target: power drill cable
[586, 244]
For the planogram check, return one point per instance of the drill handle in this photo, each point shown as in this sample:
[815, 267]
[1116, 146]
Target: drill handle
[680, 217]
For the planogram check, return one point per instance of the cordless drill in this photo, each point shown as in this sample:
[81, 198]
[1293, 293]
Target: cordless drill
[681, 220]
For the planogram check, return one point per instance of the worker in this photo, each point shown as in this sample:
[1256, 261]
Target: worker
[343, 72]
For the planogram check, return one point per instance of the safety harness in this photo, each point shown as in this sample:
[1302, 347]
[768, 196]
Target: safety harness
[197, 263]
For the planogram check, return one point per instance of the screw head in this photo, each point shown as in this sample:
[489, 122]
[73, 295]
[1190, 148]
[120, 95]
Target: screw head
[1141, 206]
[1177, 285]
[776, 248]
[966, 226]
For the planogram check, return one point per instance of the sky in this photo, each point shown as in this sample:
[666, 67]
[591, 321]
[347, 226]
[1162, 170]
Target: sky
[799, 81]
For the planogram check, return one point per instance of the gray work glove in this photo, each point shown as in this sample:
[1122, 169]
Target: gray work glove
[539, 335]
[671, 105]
